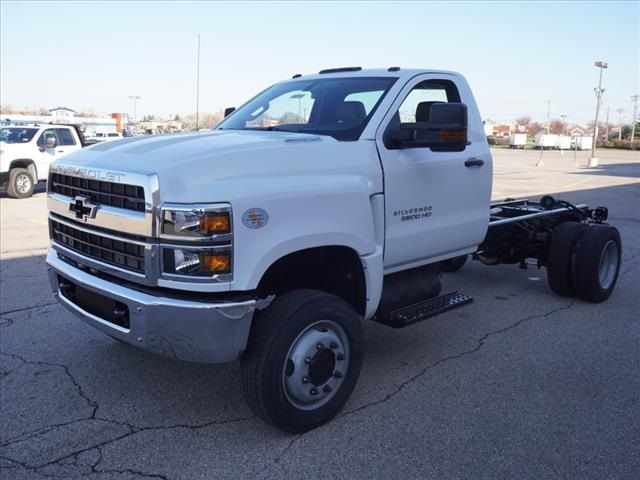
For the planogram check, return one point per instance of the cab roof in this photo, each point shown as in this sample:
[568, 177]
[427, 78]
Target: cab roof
[394, 72]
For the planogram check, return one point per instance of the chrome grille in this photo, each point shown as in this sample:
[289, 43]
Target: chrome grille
[121, 253]
[121, 195]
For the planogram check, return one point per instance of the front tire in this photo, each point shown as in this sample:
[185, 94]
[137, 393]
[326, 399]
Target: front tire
[302, 360]
[21, 184]
[597, 263]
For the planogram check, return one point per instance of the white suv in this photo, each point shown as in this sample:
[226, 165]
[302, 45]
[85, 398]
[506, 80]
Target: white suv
[27, 150]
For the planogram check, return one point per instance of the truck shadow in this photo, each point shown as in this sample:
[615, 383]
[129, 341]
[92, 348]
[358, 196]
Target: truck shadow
[41, 187]
[614, 170]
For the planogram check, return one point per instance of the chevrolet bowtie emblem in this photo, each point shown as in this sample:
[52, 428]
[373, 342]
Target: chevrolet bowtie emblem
[83, 208]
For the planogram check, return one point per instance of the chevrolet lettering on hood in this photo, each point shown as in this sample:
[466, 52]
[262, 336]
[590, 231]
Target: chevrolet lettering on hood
[88, 173]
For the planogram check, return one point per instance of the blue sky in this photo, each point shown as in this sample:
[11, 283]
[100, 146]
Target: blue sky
[516, 56]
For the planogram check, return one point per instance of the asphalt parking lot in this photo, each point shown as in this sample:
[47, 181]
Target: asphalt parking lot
[519, 384]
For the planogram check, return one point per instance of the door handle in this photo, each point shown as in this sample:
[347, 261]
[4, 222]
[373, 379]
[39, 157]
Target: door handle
[473, 162]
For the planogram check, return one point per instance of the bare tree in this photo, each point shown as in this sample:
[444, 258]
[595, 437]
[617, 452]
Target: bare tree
[534, 128]
[556, 126]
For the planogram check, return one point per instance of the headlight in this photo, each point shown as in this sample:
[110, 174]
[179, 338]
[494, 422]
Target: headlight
[197, 241]
[196, 221]
[196, 262]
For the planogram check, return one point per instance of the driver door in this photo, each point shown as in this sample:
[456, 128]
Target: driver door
[436, 202]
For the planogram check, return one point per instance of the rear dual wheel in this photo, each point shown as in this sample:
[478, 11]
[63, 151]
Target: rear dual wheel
[584, 260]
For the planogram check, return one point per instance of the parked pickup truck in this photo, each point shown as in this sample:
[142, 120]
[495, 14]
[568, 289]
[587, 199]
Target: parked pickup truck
[324, 202]
[26, 152]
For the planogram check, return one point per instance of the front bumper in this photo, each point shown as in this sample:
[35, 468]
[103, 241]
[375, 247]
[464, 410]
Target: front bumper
[188, 330]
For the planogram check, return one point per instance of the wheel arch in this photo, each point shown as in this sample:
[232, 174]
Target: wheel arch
[335, 269]
[27, 163]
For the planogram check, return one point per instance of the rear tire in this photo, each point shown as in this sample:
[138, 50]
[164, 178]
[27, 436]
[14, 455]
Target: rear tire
[453, 264]
[560, 261]
[597, 263]
[21, 183]
[302, 360]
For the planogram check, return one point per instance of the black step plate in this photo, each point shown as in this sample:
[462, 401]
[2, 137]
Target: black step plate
[421, 311]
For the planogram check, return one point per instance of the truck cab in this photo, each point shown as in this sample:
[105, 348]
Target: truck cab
[26, 151]
[325, 201]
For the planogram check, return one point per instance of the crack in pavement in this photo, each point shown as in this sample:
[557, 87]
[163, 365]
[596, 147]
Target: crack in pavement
[28, 308]
[481, 342]
[90, 402]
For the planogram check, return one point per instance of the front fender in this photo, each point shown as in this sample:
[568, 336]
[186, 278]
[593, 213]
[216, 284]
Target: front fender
[326, 211]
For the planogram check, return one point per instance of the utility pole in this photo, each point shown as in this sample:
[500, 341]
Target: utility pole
[634, 99]
[593, 161]
[198, 86]
[606, 135]
[620, 110]
[548, 115]
[135, 99]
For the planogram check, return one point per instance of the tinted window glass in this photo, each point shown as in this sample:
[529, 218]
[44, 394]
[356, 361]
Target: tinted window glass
[17, 134]
[339, 107]
[422, 96]
[65, 137]
[47, 133]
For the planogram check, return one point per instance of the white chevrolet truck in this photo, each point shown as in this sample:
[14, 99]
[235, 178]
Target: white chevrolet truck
[324, 202]
[26, 151]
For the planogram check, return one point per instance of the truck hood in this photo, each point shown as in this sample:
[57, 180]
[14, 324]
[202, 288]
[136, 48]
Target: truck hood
[216, 165]
[207, 151]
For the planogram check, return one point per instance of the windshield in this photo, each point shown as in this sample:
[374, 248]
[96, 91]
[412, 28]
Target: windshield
[339, 107]
[17, 134]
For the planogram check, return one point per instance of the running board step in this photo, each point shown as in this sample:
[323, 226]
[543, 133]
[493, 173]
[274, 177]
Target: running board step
[406, 316]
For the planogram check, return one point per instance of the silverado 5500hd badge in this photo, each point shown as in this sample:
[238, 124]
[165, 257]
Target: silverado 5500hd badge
[413, 213]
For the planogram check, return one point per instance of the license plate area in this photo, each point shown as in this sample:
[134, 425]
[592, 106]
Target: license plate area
[98, 305]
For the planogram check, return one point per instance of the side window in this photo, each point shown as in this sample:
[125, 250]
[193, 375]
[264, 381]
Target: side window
[417, 105]
[65, 137]
[50, 132]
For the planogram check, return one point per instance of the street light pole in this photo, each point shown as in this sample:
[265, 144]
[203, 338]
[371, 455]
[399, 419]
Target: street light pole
[135, 99]
[620, 110]
[563, 122]
[634, 99]
[593, 161]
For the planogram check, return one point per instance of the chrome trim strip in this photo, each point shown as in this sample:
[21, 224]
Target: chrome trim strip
[107, 216]
[111, 218]
[103, 267]
[96, 232]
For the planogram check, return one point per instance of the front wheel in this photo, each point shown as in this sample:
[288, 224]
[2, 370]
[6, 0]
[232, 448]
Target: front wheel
[302, 360]
[21, 183]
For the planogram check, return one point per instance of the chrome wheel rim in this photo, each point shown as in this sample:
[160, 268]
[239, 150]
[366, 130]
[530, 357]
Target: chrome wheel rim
[608, 264]
[23, 183]
[316, 365]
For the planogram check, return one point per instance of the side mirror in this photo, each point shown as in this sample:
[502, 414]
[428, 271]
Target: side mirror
[228, 111]
[446, 130]
[50, 142]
